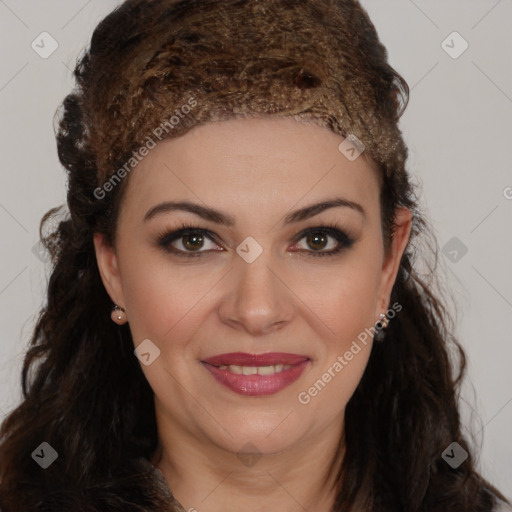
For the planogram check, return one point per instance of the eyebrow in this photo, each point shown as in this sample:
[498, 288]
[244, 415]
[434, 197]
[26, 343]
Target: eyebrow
[218, 217]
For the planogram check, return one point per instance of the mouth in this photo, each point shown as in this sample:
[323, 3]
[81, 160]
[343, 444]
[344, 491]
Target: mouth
[256, 374]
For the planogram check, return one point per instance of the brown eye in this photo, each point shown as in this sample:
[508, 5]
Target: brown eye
[323, 241]
[187, 241]
[317, 241]
[192, 242]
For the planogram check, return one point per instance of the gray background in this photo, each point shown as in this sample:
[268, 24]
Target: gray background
[458, 127]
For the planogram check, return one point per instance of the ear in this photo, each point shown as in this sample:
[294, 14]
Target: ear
[109, 269]
[393, 256]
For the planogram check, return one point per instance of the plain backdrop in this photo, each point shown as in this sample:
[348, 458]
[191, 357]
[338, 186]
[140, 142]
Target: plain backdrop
[457, 58]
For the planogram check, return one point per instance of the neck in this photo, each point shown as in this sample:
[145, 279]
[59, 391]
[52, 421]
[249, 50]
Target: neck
[207, 478]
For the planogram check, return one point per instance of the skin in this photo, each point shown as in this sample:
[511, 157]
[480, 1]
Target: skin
[287, 300]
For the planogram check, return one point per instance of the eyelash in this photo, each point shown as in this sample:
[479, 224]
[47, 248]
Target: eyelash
[165, 238]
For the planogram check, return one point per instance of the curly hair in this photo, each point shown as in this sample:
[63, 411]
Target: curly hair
[84, 391]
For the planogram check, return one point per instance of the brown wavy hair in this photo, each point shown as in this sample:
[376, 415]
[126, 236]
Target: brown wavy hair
[84, 391]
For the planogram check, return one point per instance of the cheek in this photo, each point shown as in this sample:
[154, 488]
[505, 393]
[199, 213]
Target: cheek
[343, 296]
[349, 305]
[164, 299]
[345, 300]
[331, 386]
[348, 311]
[165, 304]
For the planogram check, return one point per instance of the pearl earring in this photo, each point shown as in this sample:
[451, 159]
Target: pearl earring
[118, 315]
[379, 328]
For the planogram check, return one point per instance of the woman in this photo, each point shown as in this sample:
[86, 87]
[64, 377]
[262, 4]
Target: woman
[235, 317]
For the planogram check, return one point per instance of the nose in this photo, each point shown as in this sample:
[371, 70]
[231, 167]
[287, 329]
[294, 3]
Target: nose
[257, 298]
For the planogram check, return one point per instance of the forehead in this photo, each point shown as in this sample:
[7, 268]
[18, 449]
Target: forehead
[256, 164]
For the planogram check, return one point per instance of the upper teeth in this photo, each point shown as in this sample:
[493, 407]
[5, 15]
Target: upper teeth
[253, 370]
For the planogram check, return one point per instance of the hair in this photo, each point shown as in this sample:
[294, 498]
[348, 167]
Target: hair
[84, 391]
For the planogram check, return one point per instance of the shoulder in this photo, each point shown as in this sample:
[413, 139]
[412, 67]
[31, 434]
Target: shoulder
[160, 483]
[156, 473]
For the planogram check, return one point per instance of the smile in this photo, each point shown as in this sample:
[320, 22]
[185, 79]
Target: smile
[255, 370]
[256, 374]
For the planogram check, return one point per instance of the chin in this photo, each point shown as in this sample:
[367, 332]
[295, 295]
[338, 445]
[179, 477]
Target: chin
[267, 434]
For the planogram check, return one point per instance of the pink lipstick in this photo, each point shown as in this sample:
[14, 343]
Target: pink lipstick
[256, 374]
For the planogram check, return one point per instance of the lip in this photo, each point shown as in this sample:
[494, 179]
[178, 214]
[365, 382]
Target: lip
[256, 385]
[244, 359]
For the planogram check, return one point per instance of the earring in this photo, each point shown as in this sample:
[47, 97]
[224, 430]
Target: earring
[379, 328]
[118, 315]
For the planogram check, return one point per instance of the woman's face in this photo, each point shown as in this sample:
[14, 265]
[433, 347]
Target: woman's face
[259, 325]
